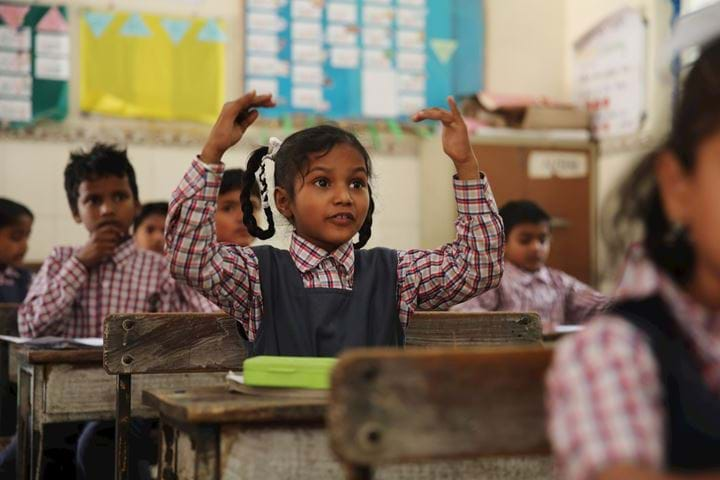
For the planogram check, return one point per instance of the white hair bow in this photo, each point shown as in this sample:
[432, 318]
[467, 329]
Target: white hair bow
[273, 147]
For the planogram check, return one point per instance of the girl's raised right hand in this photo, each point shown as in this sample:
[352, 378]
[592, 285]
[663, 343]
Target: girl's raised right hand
[235, 117]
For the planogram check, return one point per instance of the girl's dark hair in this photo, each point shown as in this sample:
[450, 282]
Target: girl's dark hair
[695, 117]
[10, 212]
[152, 208]
[291, 160]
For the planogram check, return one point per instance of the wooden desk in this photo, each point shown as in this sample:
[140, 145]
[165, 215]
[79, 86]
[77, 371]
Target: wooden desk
[70, 385]
[210, 433]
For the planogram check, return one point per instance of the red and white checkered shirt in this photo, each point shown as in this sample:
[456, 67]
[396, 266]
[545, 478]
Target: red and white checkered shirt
[67, 300]
[604, 394]
[228, 275]
[557, 297]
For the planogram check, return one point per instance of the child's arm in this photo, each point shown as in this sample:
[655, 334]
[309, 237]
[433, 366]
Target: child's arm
[52, 293]
[472, 264]
[226, 274]
[581, 301]
[485, 302]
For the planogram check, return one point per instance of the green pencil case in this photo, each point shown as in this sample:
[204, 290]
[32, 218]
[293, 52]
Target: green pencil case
[288, 372]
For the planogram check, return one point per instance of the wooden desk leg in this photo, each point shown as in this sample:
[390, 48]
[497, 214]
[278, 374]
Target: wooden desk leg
[358, 472]
[5, 399]
[207, 452]
[167, 451]
[123, 397]
[29, 424]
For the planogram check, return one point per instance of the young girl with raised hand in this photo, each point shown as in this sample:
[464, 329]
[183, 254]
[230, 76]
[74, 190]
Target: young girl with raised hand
[325, 293]
[636, 395]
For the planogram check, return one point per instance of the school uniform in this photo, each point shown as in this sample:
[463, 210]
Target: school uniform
[14, 284]
[557, 297]
[306, 301]
[69, 300]
[640, 385]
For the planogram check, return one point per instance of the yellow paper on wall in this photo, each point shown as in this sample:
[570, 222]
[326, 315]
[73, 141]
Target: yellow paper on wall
[152, 66]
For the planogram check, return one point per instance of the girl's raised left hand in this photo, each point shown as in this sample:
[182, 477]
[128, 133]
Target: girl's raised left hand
[455, 139]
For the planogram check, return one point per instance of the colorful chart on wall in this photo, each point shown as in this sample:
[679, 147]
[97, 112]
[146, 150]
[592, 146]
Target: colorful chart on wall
[152, 66]
[34, 63]
[363, 58]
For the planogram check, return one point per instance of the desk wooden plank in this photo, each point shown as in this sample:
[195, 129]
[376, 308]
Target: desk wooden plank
[44, 356]
[394, 407]
[463, 329]
[218, 405]
[172, 342]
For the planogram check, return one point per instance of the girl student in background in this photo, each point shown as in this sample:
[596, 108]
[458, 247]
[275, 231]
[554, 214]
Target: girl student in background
[637, 393]
[326, 293]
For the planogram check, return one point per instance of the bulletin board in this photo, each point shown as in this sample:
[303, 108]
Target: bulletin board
[34, 63]
[141, 65]
[353, 59]
[610, 73]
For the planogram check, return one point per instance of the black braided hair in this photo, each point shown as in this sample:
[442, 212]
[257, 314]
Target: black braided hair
[291, 160]
[366, 229]
[254, 164]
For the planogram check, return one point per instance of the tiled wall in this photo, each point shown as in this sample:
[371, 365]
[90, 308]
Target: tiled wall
[32, 173]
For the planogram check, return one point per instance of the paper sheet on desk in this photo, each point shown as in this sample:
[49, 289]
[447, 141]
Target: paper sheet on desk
[54, 342]
[568, 328]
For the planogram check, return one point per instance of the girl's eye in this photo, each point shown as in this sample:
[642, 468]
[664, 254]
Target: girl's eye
[321, 182]
[357, 184]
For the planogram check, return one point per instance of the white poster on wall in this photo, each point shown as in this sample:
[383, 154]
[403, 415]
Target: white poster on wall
[609, 73]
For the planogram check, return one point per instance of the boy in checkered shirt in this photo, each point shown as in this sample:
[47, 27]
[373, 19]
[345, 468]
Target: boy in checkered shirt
[77, 287]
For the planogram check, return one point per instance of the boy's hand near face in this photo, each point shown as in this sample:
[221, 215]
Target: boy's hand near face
[235, 117]
[455, 139]
[100, 246]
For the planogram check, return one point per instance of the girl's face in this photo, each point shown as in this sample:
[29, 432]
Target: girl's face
[229, 219]
[150, 233]
[693, 199]
[14, 241]
[331, 200]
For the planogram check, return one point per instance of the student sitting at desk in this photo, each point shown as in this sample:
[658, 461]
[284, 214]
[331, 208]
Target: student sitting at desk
[530, 285]
[77, 287]
[15, 224]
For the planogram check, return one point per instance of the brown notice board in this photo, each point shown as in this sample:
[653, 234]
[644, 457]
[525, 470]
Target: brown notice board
[561, 177]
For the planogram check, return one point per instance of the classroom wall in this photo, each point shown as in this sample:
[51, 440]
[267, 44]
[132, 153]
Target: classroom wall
[31, 171]
[525, 43]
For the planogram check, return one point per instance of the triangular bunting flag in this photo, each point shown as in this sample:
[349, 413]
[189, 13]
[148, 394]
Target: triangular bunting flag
[395, 129]
[444, 48]
[287, 124]
[134, 26]
[176, 29]
[98, 22]
[13, 15]
[52, 21]
[212, 32]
